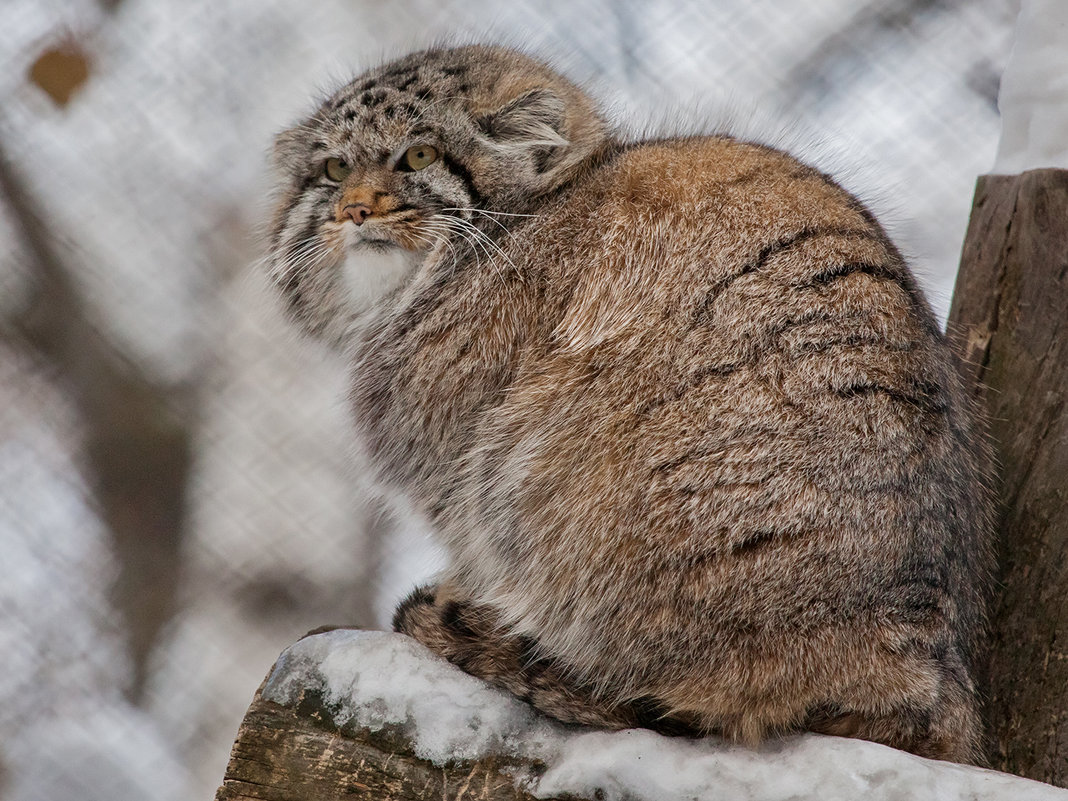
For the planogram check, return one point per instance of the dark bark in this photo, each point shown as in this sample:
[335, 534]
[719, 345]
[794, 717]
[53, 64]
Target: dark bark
[1009, 320]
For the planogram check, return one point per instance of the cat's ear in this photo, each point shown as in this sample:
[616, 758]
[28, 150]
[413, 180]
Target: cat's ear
[535, 119]
[288, 148]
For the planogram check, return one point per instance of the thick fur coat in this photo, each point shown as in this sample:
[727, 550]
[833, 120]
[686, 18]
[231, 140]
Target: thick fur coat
[677, 408]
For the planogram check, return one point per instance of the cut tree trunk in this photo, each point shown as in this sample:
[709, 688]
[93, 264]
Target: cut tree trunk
[297, 753]
[1009, 320]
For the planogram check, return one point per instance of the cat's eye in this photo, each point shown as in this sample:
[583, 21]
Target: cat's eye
[336, 170]
[417, 157]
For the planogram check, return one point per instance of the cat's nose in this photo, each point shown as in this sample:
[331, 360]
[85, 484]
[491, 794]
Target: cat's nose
[357, 212]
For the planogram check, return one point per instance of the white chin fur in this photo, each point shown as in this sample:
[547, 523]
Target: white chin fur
[371, 273]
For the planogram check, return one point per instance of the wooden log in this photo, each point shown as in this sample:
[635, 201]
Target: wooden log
[371, 715]
[297, 753]
[300, 751]
[1009, 319]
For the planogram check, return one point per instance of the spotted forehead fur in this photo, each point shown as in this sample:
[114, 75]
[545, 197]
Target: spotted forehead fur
[461, 85]
[400, 90]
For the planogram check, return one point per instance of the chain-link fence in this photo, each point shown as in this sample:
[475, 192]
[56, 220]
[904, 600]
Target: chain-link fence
[178, 499]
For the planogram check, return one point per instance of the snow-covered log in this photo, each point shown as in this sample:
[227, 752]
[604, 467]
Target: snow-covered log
[355, 715]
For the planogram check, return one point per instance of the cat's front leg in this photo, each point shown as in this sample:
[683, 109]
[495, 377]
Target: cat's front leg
[470, 635]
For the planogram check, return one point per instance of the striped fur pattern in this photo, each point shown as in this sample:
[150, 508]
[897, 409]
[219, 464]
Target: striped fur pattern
[676, 407]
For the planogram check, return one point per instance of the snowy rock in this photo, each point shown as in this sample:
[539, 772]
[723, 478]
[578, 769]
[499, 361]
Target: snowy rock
[1034, 91]
[374, 681]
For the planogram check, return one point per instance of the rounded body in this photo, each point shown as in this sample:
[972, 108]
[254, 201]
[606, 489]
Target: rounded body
[693, 439]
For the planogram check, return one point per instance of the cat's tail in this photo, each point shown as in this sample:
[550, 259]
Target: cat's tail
[469, 636]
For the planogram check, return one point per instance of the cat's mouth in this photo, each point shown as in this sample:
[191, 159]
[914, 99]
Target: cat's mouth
[380, 241]
[378, 244]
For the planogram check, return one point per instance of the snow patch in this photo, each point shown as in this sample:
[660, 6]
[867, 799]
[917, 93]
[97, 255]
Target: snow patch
[375, 680]
[371, 680]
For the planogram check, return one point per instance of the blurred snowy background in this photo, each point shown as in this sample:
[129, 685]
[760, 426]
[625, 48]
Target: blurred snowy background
[177, 500]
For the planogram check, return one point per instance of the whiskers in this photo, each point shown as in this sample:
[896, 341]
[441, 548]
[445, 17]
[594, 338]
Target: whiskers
[433, 238]
[486, 212]
[448, 225]
[444, 230]
[292, 260]
[491, 216]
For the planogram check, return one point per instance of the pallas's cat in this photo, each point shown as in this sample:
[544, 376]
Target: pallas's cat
[676, 408]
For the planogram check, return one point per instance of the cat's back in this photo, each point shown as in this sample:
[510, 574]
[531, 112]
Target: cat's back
[711, 269]
[701, 225]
